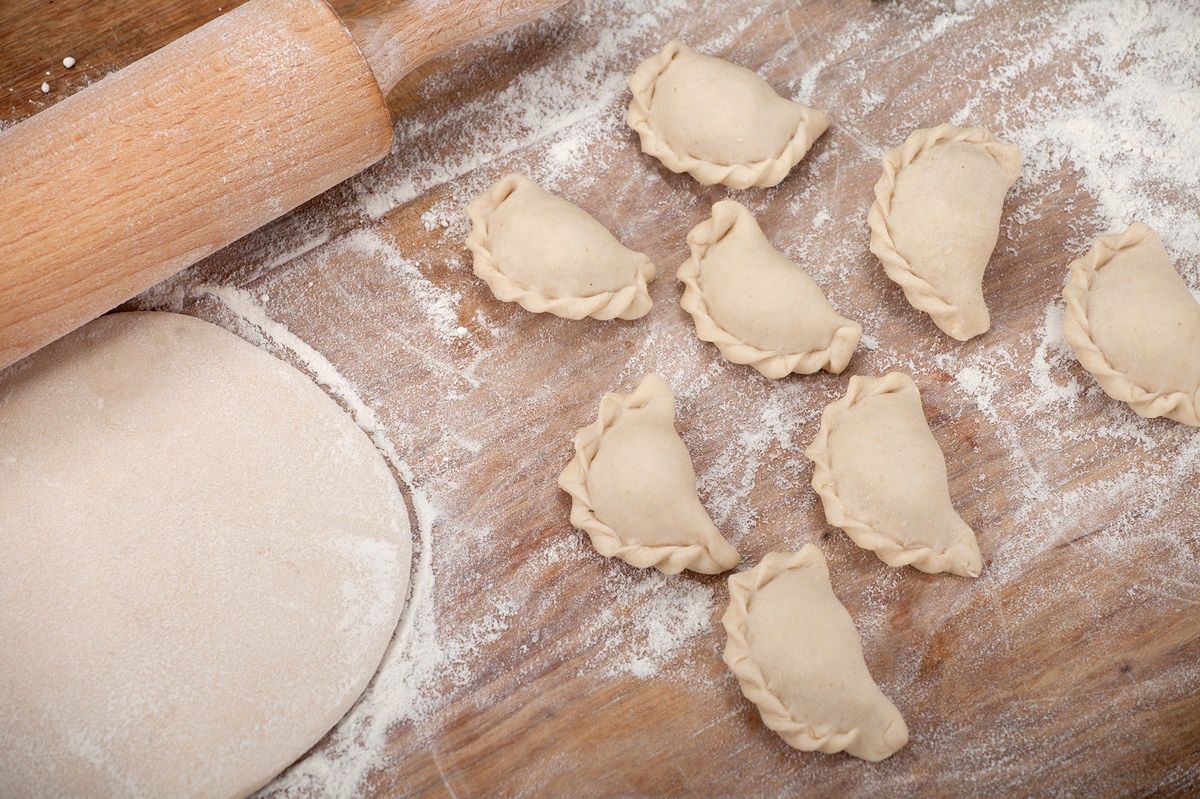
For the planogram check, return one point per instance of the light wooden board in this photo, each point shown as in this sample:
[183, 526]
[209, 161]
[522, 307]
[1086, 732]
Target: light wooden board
[1068, 668]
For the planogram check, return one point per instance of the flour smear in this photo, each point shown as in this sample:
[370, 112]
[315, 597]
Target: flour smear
[1103, 99]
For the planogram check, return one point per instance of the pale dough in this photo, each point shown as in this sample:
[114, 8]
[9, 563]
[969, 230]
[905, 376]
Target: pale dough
[633, 487]
[717, 121]
[758, 307]
[202, 560]
[795, 652]
[1133, 324]
[881, 477]
[936, 219]
[550, 256]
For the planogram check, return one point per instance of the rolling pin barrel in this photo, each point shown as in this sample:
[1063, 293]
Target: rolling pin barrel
[172, 158]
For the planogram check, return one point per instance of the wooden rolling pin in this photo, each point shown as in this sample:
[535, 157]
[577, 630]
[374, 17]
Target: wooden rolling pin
[154, 167]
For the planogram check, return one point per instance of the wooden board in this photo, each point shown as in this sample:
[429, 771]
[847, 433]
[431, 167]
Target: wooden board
[1068, 668]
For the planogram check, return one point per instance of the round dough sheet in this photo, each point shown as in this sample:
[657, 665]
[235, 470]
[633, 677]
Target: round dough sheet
[202, 561]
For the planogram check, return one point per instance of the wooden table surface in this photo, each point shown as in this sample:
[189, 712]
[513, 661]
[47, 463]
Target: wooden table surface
[535, 667]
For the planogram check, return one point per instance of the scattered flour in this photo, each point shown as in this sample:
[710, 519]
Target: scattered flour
[667, 613]
[1123, 116]
[1103, 99]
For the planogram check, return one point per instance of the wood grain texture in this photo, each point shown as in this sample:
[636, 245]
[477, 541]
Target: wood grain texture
[407, 35]
[1068, 668]
[175, 157]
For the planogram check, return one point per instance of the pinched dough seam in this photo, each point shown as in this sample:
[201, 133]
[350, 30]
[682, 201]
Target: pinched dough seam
[770, 363]
[629, 302]
[1077, 329]
[670, 558]
[889, 550]
[769, 172]
[739, 657]
[918, 291]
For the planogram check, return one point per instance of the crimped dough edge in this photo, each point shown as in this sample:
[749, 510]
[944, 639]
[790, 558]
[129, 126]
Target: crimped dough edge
[892, 552]
[1077, 330]
[739, 657]
[813, 122]
[669, 559]
[629, 302]
[919, 293]
[770, 363]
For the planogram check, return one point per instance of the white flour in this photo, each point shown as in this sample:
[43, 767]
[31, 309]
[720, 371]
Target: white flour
[1103, 98]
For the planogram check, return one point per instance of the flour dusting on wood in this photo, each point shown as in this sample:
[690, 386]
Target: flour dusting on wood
[480, 399]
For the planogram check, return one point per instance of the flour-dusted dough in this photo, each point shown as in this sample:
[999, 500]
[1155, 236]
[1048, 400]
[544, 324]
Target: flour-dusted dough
[796, 655]
[936, 219]
[633, 487]
[881, 477]
[718, 122]
[550, 256]
[1133, 324]
[202, 559]
[758, 307]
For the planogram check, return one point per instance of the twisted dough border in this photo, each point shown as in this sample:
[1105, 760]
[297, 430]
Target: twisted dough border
[890, 551]
[629, 302]
[919, 292]
[813, 122]
[1077, 330]
[739, 657]
[772, 364]
[670, 558]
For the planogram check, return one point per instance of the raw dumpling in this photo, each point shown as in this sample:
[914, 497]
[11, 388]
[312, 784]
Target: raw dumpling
[796, 654]
[1134, 325]
[550, 256]
[881, 477]
[936, 218]
[758, 307]
[718, 122]
[633, 488]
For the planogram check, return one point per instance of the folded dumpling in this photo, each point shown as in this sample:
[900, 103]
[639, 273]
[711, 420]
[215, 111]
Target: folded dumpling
[794, 650]
[1133, 324]
[718, 122]
[881, 477]
[550, 256]
[758, 307]
[633, 487]
[936, 219]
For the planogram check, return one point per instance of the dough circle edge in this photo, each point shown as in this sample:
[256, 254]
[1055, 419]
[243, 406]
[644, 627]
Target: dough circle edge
[317, 595]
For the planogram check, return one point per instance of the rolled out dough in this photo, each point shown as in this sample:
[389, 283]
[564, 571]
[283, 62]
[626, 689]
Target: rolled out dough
[202, 560]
